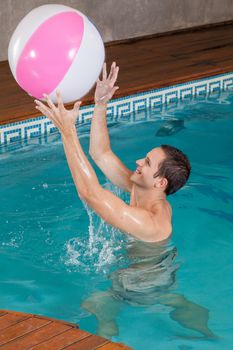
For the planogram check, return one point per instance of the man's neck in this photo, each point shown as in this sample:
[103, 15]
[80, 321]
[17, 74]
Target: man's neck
[146, 198]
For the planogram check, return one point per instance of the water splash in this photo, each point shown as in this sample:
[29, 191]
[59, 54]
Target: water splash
[101, 248]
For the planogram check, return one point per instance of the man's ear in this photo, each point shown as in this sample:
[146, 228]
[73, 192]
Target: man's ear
[162, 182]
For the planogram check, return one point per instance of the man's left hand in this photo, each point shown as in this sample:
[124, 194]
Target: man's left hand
[62, 118]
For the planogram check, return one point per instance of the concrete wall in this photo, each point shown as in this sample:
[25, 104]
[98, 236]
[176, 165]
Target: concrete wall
[121, 19]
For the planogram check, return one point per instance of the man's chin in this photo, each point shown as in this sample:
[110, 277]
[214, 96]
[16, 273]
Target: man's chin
[134, 178]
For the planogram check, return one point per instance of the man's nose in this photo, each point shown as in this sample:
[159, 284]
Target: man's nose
[139, 162]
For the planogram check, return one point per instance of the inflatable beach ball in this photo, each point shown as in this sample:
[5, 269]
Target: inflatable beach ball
[56, 47]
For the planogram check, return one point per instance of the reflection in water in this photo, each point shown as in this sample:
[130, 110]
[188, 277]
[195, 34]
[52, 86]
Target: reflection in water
[170, 127]
[178, 117]
[148, 279]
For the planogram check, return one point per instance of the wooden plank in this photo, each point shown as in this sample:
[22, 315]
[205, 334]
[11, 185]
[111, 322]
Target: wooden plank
[63, 340]
[2, 313]
[90, 343]
[21, 314]
[38, 336]
[21, 328]
[70, 324]
[42, 333]
[10, 319]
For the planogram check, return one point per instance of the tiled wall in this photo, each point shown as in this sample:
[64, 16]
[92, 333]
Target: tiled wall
[157, 100]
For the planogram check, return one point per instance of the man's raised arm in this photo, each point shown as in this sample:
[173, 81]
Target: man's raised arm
[135, 221]
[100, 149]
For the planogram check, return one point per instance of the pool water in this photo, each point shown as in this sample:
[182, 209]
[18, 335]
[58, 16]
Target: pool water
[56, 254]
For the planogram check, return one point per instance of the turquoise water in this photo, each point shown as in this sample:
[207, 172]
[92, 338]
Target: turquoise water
[55, 252]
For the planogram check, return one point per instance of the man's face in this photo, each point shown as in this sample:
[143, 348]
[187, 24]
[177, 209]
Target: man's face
[147, 167]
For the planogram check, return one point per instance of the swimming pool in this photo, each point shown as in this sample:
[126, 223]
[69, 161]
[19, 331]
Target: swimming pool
[55, 252]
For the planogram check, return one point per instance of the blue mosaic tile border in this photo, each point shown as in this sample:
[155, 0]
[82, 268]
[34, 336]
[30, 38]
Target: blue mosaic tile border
[158, 100]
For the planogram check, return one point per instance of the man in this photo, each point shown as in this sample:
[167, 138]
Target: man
[163, 171]
[148, 217]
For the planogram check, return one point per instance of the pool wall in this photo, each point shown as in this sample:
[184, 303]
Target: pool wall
[160, 100]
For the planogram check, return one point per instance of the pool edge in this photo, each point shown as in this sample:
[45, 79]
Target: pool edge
[120, 108]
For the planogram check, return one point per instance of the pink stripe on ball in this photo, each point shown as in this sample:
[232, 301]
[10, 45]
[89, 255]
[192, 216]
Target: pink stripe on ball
[49, 53]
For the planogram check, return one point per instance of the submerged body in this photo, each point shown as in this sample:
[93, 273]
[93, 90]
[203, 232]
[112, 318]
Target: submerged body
[149, 279]
[151, 271]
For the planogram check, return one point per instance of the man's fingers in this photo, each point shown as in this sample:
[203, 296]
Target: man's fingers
[77, 105]
[115, 89]
[114, 75]
[60, 101]
[50, 103]
[104, 76]
[42, 106]
[45, 110]
[112, 70]
[42, 110]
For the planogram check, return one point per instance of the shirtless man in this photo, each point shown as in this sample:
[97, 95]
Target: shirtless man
[148, 218]
[163, 171]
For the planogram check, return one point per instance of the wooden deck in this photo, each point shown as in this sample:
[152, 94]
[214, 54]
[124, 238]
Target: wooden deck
[145, 64]
[19, 331]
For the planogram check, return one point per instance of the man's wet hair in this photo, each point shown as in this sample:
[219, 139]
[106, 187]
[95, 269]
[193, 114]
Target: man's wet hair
[175, 168]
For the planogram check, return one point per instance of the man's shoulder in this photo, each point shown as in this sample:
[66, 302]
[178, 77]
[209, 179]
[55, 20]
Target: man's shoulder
[162, 215]
[162, 208]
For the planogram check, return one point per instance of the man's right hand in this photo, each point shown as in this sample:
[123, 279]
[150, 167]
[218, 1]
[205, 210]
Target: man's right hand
[105, 88]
